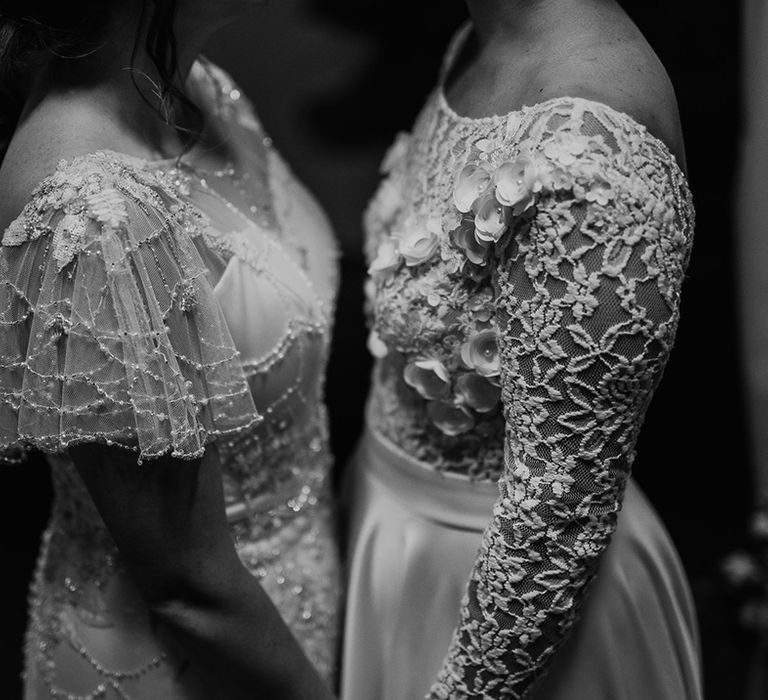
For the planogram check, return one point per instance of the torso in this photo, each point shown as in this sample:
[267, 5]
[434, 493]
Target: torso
[271, 260]
[439, 307]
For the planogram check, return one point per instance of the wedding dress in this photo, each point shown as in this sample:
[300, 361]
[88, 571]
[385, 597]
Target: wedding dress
[161, 306]
[524, 296]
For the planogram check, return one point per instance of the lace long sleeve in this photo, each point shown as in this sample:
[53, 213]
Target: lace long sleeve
[110, 328]
[587, 287]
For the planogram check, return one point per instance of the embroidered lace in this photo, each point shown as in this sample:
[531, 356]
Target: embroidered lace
[524, 298]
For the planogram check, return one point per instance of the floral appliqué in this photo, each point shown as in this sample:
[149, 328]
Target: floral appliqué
[524, 297]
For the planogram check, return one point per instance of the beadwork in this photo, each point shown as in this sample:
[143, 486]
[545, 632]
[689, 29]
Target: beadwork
[115, 265]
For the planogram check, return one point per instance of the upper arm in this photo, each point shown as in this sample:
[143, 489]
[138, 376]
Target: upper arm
[629, 77]
[167, 519]
[588, 288]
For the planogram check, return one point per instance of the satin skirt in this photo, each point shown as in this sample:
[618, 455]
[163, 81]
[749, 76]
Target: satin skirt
[413, 540]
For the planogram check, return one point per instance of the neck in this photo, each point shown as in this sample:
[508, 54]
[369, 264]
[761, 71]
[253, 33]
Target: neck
[120, 78]
[522, 19]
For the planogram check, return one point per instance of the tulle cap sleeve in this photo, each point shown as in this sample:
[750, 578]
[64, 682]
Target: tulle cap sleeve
[111, 332]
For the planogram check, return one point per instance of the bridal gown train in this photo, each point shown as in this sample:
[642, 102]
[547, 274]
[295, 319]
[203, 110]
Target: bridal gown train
[524, 296]
[162, 306]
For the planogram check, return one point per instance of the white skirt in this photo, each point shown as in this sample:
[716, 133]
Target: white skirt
[413, 541]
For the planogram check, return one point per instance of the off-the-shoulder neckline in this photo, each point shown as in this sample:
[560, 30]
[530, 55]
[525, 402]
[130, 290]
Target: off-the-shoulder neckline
[528, 109]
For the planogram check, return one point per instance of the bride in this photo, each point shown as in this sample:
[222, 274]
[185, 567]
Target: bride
[167, 291]
[527, 246]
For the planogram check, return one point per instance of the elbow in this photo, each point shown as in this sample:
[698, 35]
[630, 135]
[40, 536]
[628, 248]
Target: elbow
[179, 614]
[177, 590]
[185, 608]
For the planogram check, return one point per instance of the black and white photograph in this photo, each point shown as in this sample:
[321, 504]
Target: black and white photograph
[384, 350]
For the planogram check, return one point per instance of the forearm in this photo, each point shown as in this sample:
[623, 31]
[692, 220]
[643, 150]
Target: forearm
[525, 594]
[233, 634]
[168, 521]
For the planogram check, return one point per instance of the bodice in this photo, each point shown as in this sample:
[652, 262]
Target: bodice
[273, 275]
[428, 309]
[432, 291]
[270, 256]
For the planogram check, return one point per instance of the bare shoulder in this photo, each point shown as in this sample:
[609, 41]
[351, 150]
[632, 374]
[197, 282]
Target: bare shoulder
[626, 75]
[60, 131]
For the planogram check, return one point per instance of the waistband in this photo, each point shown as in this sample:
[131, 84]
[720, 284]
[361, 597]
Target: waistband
[429, 494]
[288, 501]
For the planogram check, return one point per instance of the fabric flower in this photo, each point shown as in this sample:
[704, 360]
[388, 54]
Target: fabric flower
[472, 182]
[376, 345]
[449, 417]
[599, 192]
[419, 241]
[108, 207]
[492, 201]
[481, 305]
[481, 353]
[428, 377]
[465, 239]
[560, 179]
[491, 218]
[477, 392]
[516, 183]
[566, 147]
[387, 258]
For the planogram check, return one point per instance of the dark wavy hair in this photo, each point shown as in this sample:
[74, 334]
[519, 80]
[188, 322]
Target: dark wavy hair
[33, 30]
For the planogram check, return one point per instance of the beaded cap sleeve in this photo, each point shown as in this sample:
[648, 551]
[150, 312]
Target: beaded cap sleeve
[111, 330]
[526, 276]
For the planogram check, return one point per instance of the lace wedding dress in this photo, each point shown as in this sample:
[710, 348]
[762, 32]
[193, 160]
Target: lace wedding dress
[524, 296]
[161, 306]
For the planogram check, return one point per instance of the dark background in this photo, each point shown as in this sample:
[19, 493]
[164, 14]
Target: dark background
[333, 80]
